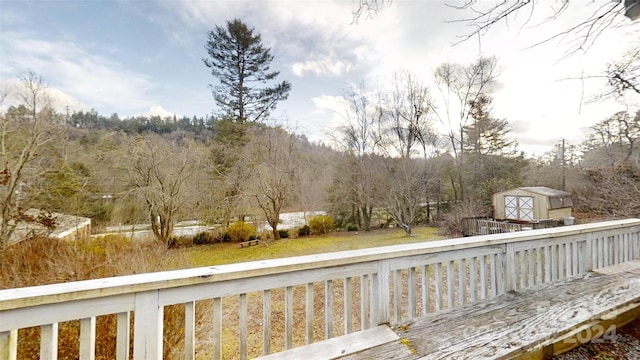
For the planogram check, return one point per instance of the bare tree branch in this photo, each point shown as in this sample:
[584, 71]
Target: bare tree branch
[581, 35]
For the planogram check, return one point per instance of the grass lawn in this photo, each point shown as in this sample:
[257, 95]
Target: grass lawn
[227, 253]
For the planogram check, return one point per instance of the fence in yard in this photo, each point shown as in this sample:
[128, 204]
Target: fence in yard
[483, 226]
[250, 309]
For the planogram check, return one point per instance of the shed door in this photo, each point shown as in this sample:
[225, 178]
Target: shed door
[518, 207]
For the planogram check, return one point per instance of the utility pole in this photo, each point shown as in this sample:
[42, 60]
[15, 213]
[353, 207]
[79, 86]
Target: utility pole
[563, 168]
[560, 156]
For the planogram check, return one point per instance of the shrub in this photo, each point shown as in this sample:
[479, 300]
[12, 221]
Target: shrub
[177, 242]
[321, 224]
[240, 231]
[452, 221]
[283, 234]
[304, 231]
[352, 228]
[204, 238]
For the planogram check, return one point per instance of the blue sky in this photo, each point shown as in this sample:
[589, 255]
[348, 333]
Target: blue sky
[141, 57]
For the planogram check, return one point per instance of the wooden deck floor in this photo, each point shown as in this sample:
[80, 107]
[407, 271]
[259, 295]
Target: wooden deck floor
[533, 323]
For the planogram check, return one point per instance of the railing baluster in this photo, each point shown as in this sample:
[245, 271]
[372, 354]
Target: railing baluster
[523, 259]
[531, 272]
[9, 344]
[288, 317]
[266, 322]
[554, 262]
[49, 342]
[547, 264]
[412, 293]
[450, 282]
[605, 252]
[190, 330]
[438, 285]
[561, 261]
[348, 316]
[501, 267]
[88, 338]
[328, 309]
[538, 277]
[568, 263]
[374, 300]
[473, 287]
[309, 306]
[574, 257]
[494, 274]
[597, 253]
[616, 249]
[397, 296]
[425, 290]
[483, 277]
[242, 326]
[625, 248]
[217, 328]
[364, 302]
[123, 325]
[462, 282]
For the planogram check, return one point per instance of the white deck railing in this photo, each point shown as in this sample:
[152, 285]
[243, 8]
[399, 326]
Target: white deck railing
[248, 309]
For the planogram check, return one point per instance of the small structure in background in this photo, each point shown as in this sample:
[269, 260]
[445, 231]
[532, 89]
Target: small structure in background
[532, 204]
[64, 227]
[523, 208]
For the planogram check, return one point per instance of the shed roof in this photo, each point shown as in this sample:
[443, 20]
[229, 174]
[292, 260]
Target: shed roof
[541, 190]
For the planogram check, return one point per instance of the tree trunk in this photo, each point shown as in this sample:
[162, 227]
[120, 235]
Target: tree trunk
[276, 233]
[367, 212]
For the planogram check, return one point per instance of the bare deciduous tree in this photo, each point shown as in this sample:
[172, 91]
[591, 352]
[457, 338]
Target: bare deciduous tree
[408, 135]
[582, 33]
[271, 164]
[482, 16]
[614, 191]
[614, 138]
[25, 132]
[360, 136]
[406, 108]
[461, 86]
[159, 172]
[623, 75]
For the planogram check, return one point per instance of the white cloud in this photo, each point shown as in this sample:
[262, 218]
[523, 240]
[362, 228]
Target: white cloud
[157, 110]
[76, 72]
[323, 65]
[329, 103]
[59, 100]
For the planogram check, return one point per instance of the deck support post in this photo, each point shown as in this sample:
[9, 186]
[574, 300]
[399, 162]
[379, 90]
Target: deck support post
[587, 257]
[381, 295]
[147, 326]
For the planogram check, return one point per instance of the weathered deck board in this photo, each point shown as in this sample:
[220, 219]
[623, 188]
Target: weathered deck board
[519, 323]
[335, 347]
[389, 351]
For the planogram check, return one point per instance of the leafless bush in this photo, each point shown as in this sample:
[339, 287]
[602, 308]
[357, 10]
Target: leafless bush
[452, 221]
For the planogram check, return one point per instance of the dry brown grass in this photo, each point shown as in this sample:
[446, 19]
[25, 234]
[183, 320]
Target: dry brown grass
[43, 261]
